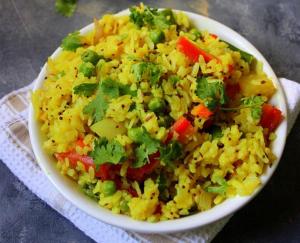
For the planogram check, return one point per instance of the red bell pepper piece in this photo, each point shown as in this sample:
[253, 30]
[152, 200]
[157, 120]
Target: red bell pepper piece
[74, 157]
[271, 117]
[181, 125]
[183, 128]
[105, 172]
[192, 51]
[201, 111]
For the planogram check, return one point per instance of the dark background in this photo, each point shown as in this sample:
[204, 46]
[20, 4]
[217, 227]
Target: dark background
[31, 30]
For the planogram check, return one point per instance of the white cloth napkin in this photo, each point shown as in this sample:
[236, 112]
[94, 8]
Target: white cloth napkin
[16, 153]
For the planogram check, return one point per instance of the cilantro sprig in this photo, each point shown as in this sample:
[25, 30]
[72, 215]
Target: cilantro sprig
[253, 102]
[146, 145]
[220, 188]
[107, 152]
[147, 70]
[86, 89]
[212, 92]
[171, 152]
[107, 89]
[72, 41]
[152, 17]
[65, 7]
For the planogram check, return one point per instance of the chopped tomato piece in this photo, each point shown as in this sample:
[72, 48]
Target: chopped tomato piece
[108, 171]
[105, 172]
[232, 90]
[75, 157]
[201, 111]
[183, 128]
[139, 174]
[181, 125]
[192, 51]
[271, 117]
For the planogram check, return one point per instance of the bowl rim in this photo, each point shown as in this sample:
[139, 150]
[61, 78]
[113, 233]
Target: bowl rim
[228, 207]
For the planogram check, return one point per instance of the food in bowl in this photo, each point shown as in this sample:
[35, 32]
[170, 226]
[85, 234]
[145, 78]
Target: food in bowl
[155, 119]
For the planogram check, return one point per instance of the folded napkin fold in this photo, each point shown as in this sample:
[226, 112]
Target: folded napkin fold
[19, 158]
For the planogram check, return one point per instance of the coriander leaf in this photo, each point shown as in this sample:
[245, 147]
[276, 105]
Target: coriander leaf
[142, 156]
[147, 70]
[141, 136]
[136, 17]
[125, 90]
[220, 189]
[255, 103]
[107, 152]
[169, 15]
[71, 42]
[107, 90]
[65, 7]
[96, 108]
[244, 55]
[154, 73]
[159, 19]
[148, 145]
[211, 103]
[139, 69]
[204, 89]
[86, 89]
[110, 88]
[152, 17]
[171, 152]
[211, 91]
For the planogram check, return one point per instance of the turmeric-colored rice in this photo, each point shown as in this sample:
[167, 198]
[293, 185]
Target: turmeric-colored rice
[223, 154]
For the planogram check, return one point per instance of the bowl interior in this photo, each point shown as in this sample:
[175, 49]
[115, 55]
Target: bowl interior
[72, 192]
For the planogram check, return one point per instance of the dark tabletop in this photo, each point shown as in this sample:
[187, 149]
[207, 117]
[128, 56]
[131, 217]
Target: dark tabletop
[31, 30]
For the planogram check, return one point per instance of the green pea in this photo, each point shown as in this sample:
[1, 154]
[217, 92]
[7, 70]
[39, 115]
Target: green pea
[156, 105]
[109, 188]
[90, 56]
[87, 68]
[136, 134]
[157, 36]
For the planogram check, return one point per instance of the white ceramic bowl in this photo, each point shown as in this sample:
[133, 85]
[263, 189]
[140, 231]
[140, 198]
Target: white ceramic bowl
[72, 193]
